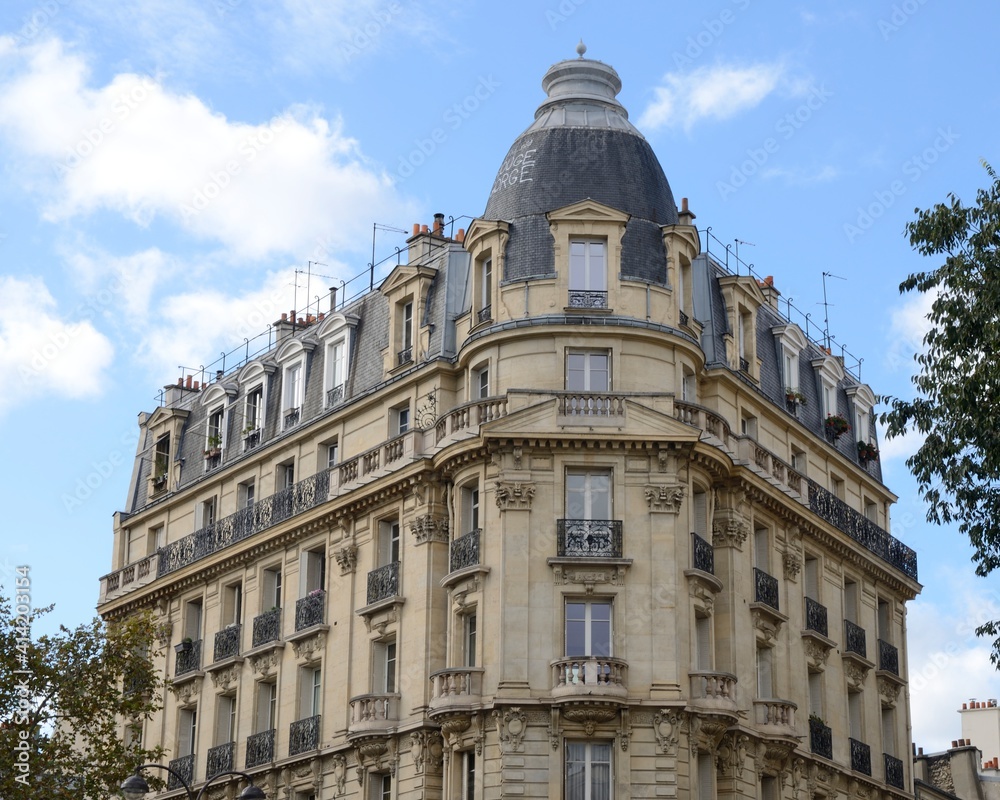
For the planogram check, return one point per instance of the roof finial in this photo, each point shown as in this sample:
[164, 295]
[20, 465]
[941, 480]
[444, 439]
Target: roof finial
[581, 48]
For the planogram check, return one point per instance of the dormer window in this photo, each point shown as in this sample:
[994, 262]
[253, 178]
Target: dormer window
[253, 417]
[405, 353]
[214, 437]
[484, 290]
[791, 342]
[291, 406]
[745, 336]
[863, 400]
[588, 274]
[831, 373]
[336, 372]
[161, 463]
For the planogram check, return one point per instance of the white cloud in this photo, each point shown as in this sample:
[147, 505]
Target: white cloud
[42, 353]
[948, 664]
[134, 147]
[908, 326]
[802, 177]
[717, 92]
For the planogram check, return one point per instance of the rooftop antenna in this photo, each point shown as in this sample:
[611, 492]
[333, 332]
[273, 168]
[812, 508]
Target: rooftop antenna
[738, 243]
[309, 279]
[378, 226]
[826, 308]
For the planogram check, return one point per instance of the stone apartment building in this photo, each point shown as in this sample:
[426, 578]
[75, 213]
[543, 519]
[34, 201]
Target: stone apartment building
[562, 508]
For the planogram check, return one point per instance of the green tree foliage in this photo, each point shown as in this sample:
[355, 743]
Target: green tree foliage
[958, 380]
[64, 702]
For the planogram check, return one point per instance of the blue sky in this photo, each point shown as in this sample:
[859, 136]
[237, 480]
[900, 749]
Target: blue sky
[166, 166]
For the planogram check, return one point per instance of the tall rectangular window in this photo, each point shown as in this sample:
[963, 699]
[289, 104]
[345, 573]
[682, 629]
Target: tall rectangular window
[706, 776]
[469, 637]
[225, 729]
[245, 494]
[161, 458]
[816, 694]
[232, 604]
[854, 715]
[769, 788]
[187, 738]
[468, 772]
[267, 707]
[384, 667]
[588, 628]
[762, 549]
[884, 621]
[310, 692]
[588, 371]
[286, 475]
[399, 420]
[271, 589]
[588, 770]
[253, 415]
[485, 289]
[851, 596]
[587, 269]
[192, 619]
[470, 508]
[889, 731]
[699, 512]
[703, 643]
[811, 573]
[381, 787]
[332, 454]
[689, 385]
[588, 495]
[313, 570]
[293, 389]
[406, 333]
[765, 678]
[214, 429]
[336, 364]
[481, 383]
[388, 542]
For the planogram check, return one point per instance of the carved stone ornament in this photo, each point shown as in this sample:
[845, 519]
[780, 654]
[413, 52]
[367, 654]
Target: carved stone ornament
[265, 664]
[347, 558]
[162, 633]
[729, 533]
[816, 653]
[426, 750]
[511, 724]
[428, 528]
[667, 730]
[856, 674]
[226, 679]
[732, 754]
[664, 498]
[766, 625]
[373, 750]
[514, 495]
[771, 757]
[792, 563]
[339, 763]
[888, 692]
[187, 693]
[705, 731]
[310, 648]
[590, 715]
[517, 454]
[589, 578]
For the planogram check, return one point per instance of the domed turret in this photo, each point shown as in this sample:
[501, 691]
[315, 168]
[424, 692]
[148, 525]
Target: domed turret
[581, 145]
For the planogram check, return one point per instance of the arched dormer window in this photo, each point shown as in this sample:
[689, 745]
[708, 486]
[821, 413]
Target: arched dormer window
[830, 371]
[791, 342]
[863, 400]
[292, 358]
[253, 380]
[215, 401]
[336, 334]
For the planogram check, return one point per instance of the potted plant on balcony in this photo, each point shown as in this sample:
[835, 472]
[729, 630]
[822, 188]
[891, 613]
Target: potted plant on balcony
[867, 452]
[835, 427]
[184, 645]
[794, 398]
[214, 446]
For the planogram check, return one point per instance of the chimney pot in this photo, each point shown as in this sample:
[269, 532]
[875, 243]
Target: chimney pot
[684, 205]
[284, 317]
[964, 706]
[416, 228]
[333, 298]
[423, 229]
[954, 743]
[197, 386]
[461, 235]
[218, 375]
[920, 751]
[187, 382]
[180, 381]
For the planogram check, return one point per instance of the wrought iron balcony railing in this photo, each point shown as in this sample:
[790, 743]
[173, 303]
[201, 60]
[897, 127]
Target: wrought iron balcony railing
[888, 657]
[703, 554]
[213, 460]
[854, 639]
[485, 314]
[303, 735]
[263, 514]
[260, 749]
[683, 318]
[309, 610]
[188, 660]
[465, 551]
[816, 617]
[893, 771]
[862, 530]
[820, 738]
[184, 767]
[589, 538]
[578, 298]
[383, 582]
[267, 627]
[334, 396]
[292, 416]
[861, 757]
[404, 356]
[227, 644]
[221, 758]
[251, 440]
[765, 588]
[744, 365]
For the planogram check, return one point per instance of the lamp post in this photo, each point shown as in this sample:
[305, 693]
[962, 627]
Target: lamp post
[135, 787]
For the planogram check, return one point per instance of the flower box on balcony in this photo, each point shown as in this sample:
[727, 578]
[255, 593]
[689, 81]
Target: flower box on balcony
[835, 427]
[867, 452]
[793, 399]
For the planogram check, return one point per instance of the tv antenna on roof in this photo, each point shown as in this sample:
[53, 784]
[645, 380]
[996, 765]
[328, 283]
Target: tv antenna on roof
[826, 309]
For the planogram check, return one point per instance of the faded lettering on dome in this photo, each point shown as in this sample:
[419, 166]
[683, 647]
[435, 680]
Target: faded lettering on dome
[516, 168]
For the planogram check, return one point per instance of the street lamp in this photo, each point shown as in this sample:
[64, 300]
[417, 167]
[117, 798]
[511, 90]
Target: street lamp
[134, 787]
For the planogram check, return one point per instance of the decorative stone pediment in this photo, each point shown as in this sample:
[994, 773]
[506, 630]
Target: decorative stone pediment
[347, 558]
[225, 679]
[265, 664]
[187, 692]
[514, 495]
[311, 647]
[428, 528]
[662, 498]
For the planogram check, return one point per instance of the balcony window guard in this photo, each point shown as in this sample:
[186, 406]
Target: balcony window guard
[703, 554]
[816, 616]
[579, 298]
[383, 582]
[893, 771]
[683, 318]
[251, 440]
[485, 314]
[888, 657]
[188, 660]
[820, 738]
[404, 356]
[227, 643]
[303, 735]
[221, 758]
[765, 588]
[260, 749]
[589, 538]
[854, 639]
[292, 417]
[465, 551]
[184, 767]
[861, 757]
[309, 610]
[267, 627]
[744, 365]
[334, 396]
